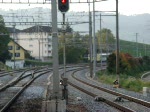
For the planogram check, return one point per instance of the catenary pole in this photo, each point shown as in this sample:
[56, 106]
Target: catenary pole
[117, 39]
[137, 50]
[90, 42]
[55, 50]
[94, 41]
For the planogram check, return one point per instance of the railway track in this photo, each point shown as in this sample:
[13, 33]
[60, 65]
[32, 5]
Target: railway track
[94, 93]
[14, 90]
[5, 73]
[14, 75]
[19, 87]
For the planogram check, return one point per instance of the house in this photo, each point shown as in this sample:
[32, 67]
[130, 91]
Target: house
[36, 39]
[18, 55]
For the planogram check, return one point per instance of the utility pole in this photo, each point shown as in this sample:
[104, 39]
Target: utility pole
[14, 45]
[55, 50]
[145, 49]
[137, 50]
[94, 41]
[65, 90]
[39, 49]
[14, 31]
[101, 40]
[117, 39]
[90, 42]
[55, 102]
[40, 34]
[64, 50]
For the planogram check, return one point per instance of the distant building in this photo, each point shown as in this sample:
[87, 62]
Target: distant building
[36, 39]
[18, 55]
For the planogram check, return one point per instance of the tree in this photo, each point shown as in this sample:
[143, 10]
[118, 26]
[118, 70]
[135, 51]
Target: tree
[76, 46]
[107, 39]
[68, 28]
[127, 64]
[74, 54]
[4, 40]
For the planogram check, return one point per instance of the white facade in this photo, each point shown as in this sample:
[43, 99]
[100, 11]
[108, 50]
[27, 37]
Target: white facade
[39, 44]
[18, 64]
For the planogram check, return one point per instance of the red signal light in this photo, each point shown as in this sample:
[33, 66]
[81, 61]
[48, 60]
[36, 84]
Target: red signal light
[63, 5]
[63, 1]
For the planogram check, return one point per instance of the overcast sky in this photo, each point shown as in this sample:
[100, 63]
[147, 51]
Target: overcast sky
[127, 7]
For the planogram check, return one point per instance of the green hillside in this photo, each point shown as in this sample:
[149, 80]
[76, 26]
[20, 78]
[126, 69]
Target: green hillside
[134, 49]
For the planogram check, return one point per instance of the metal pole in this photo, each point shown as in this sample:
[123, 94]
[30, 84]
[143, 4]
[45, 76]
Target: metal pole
[90, 41]
[64, 45]
[101, 39]
[94, 41]
[137, 51]
[55, 50]
[14, 44]
[145, 49]
[117, 39]
[65, 91]
[107, 42]
[39, 49]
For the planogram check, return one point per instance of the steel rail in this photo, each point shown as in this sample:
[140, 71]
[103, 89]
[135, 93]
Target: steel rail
[15, 71]
[113, 104]
[18, 79]
[139, 101]
[7, 106]
[122, 108]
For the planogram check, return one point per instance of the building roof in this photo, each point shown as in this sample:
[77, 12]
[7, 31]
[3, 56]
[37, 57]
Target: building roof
[11, 30]
[38, 29]
[32, 29]
[19, 45]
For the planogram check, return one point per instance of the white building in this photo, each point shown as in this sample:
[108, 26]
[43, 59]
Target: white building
[37, 40]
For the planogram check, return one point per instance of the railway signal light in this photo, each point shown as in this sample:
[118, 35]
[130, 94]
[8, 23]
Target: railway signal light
[63, 5]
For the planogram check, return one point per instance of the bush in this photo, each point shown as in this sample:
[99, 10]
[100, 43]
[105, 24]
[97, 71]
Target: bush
[36, 63]
[128, 64]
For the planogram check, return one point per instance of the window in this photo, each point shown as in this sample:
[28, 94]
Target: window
[10, 54]
[30, 45]
[17, 54]
[49, 51]
[49, 45]
[18, 48]
[50, 34]
[10, 47]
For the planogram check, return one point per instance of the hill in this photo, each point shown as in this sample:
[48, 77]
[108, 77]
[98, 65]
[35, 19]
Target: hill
[135, 49]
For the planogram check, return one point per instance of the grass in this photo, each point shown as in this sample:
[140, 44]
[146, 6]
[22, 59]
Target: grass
[4, 67]
[126, 82]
